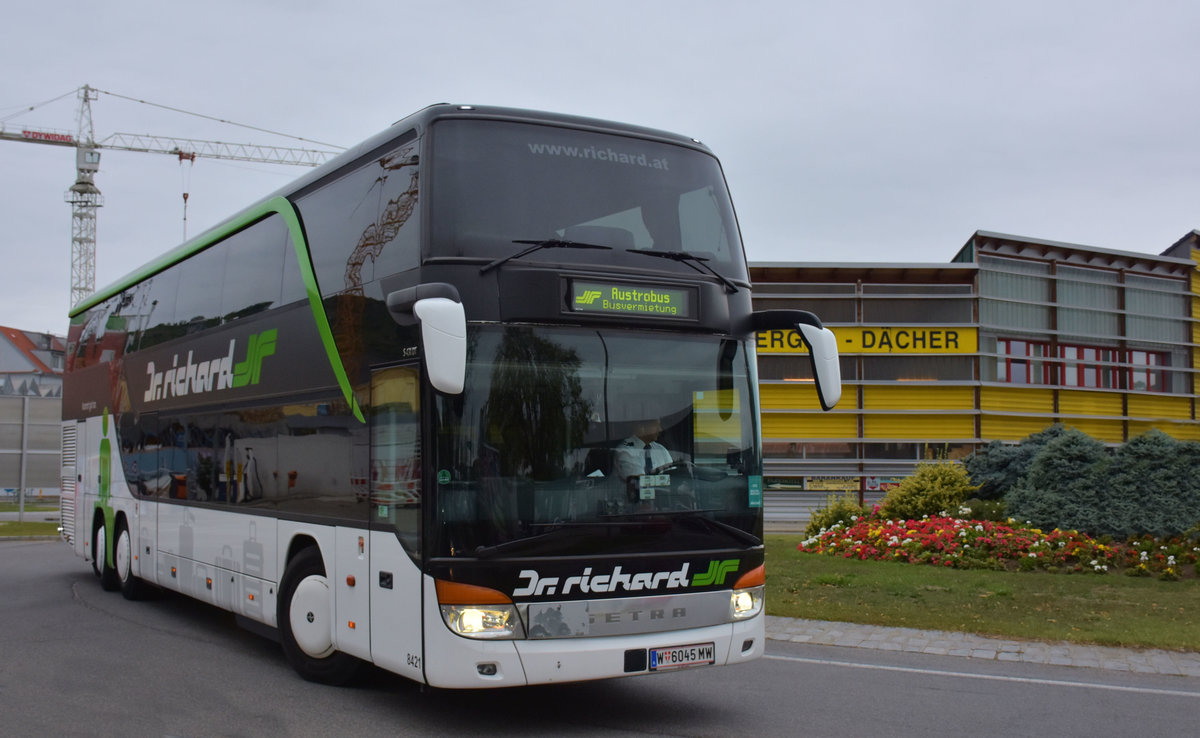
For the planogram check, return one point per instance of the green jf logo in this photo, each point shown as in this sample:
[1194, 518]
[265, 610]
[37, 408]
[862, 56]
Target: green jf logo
[261, 346]
[717, 571]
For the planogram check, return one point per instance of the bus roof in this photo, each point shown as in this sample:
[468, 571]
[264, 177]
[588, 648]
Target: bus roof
[373, 146]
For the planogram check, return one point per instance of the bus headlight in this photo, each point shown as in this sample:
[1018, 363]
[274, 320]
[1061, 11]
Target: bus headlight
[483, 621]
[746, 603]
[478, 612]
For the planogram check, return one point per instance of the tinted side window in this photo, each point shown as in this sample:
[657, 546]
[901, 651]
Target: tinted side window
[253, 269]
[155, 305]
[364, 225]
[199, 303]
[89, 350]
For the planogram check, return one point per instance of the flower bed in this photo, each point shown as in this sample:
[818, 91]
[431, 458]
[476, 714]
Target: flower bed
[980, 544]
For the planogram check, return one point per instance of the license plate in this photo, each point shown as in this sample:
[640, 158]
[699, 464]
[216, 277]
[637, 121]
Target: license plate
[678, 657]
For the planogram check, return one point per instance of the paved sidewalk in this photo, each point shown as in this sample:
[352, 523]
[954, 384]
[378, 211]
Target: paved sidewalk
[967, 645]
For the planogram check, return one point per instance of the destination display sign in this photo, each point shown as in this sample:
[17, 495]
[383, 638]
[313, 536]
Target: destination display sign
[639, 300]
[923, 339]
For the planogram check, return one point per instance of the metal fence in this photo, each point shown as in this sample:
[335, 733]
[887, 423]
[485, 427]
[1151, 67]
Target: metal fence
[30, 447]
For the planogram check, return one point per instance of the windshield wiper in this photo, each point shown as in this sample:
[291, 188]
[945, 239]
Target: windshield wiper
[695, 262]
[550, 243]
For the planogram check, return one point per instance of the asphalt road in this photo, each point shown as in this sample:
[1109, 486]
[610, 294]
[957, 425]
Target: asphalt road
[75, 660]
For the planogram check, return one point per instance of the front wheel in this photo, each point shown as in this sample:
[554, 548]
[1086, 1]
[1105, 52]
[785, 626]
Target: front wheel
[305, 617]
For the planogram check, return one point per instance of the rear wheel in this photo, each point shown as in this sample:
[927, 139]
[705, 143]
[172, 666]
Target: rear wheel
[305, 617]
[132, 587]
[108, 576]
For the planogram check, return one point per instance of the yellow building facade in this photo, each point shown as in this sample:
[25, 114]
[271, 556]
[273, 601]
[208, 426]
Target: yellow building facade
[1012, 335]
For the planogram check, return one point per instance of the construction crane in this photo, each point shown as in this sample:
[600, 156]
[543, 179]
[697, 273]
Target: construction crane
[84, 197]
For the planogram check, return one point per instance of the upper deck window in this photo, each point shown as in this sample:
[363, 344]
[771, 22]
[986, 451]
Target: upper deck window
[497, 182]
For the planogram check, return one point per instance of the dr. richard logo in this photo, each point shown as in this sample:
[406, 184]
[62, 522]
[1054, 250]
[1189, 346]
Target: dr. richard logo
[211, 375]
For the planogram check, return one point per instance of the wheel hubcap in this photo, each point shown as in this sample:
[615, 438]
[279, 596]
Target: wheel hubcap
[123, 556]
[310, 617]
[101, 552]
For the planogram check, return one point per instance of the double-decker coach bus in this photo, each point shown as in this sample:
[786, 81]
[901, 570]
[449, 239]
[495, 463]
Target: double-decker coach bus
[475, 402]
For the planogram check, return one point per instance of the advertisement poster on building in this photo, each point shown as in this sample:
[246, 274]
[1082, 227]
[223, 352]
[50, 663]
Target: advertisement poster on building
[832, 484]
[881, 484]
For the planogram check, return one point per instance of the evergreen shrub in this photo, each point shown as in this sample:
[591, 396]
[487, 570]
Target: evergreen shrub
[1062, 488]
[933, 488]
[843, 509]
[998, 467]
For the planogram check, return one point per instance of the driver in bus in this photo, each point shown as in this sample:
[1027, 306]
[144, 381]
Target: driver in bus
[641, 453]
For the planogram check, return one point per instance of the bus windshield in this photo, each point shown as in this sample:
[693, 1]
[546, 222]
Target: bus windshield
[569, 441]
[495, 183]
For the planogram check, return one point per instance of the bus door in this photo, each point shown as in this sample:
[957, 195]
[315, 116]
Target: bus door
[395, 497]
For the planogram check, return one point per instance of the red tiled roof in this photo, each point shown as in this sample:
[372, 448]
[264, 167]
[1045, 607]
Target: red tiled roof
[22, 343]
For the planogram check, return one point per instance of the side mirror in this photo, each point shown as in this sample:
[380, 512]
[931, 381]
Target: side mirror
[438, 310]
[821, 345]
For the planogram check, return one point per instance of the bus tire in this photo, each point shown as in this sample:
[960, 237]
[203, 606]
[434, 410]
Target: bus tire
[108, 576]
[304, 615]
[132, 588]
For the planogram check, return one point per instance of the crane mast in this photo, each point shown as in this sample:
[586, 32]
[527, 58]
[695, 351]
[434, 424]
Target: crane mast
[84, 196]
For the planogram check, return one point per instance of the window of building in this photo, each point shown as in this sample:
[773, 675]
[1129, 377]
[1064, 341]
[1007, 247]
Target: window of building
[1020, 361]
[1088, 366]
[797, 450]
[1144, 371]
[892, 451]
[1023, 362]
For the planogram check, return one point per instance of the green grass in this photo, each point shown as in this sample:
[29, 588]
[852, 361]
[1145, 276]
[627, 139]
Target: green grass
[11, 528]
[13, 507]
[1109, 609]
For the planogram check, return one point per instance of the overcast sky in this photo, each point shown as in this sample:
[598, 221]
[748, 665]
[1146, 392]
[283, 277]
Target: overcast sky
[849, 131]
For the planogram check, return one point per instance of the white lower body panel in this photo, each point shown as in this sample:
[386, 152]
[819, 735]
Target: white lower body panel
[455, 662]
